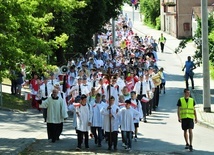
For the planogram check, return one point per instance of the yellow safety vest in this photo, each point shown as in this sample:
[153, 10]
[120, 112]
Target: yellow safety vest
[162, 39]
[187, 108]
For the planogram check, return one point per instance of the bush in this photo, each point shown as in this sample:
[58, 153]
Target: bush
[158, 23]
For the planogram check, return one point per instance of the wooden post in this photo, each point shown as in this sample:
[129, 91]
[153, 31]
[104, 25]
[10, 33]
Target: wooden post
[109, 79]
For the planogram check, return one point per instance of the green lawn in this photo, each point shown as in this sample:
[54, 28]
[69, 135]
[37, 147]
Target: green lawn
[15, 102]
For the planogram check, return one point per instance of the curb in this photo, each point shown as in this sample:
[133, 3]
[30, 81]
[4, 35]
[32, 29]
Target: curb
[200, 117]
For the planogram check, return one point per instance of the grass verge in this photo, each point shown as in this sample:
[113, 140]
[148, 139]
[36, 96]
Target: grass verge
[15, 102]
[212, 72]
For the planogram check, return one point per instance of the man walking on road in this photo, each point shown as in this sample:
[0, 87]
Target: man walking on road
[162, 41]
[189, 65]
[187, 115]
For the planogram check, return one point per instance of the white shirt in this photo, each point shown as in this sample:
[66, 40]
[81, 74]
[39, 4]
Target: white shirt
[127, 118]
[114, 118]
[97, 118]
[49, 89]
[137, 106]
[137, 87]
[99, 63]
[121, 84]
[55, 110]
[84, 116]
[113, 92]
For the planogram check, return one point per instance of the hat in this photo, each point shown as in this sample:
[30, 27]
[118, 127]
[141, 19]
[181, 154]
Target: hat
[83, 96]
[133, 92]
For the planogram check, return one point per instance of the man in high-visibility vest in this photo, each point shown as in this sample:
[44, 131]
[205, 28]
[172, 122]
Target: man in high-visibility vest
[187, 116]
[162, 41]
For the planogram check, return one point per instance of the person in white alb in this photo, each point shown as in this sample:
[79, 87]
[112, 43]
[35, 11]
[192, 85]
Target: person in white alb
[55, 114]
[128, 115]
[84, 119]
[61, 95]
[97, 120]
[136, 104]
[110, 123]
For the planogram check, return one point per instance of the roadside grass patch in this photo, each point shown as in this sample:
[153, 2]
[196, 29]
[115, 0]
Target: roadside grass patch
[15, 102]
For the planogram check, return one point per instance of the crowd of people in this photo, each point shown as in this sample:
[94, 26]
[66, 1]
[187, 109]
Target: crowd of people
[108, 89]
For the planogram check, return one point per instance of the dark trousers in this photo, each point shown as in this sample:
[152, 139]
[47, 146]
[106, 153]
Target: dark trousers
[53, 131]
[33, 101]
[60, 128]
[162, 86]
[145, 106]
[44, 112]
[156, 97]
[128, 138]
[97, 132]
[162, 46]
[150, 106]
[13, 86]
[112, 138]
[187, 77]
[80, 135]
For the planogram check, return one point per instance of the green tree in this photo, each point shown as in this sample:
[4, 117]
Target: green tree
[90, 20]
[25, 32]
[151, 11]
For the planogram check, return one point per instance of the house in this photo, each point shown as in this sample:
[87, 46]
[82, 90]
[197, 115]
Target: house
[196, 13]
[176, 16]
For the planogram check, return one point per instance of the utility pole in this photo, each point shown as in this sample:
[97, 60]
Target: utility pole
[1, 103]
[205, 57]
[113, 33]
[133, 13]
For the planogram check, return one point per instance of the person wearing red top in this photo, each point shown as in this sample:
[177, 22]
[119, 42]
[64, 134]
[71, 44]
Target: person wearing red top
[34, 86]
[131, 80]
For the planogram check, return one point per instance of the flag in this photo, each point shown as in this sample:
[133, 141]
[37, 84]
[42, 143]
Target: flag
[145, 99]
[122, 104]
[76, 104]
[27, 96]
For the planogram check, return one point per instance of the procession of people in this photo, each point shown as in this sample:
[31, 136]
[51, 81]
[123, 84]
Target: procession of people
[111, 89]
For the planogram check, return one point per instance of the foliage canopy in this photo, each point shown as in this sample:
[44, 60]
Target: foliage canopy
[39, 33]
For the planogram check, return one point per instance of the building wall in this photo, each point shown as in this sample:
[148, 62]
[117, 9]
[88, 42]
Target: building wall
[184, 18]
[184, 15]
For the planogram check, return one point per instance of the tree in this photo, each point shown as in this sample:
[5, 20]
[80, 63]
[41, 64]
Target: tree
[25, 32]
[90, 20]
[151, 11]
